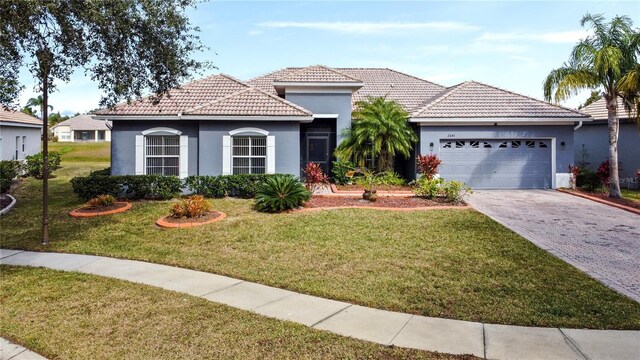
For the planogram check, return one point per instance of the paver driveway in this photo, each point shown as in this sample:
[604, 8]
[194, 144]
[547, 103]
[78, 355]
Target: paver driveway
[598, 239]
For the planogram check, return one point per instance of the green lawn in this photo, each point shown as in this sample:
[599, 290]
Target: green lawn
[446, 263]
[631, 194]
[76, 316]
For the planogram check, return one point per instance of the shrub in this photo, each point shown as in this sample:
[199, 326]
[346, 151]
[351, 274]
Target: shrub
[314, 176]
[100, 201]
[280, 193]
[340, 170]
[246, 185]
[588, 180]
[428, 188]
[155, 187]
[208, 186]
[103, 172]
[604, 173]
[88, 187]
[455, 191]
[575, 172]
[191, 207]
[428, 165]
[388, 178]
[34, 164]
[9, 170]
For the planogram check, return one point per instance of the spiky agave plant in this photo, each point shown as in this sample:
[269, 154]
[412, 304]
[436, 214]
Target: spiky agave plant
[280, 193]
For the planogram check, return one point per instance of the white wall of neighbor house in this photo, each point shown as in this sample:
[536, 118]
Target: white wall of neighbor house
[63, 133]
[18, 142]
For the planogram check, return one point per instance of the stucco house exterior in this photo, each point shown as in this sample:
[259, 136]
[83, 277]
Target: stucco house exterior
[82, 128]
[277, 123]
[20, 135]
[592, 141]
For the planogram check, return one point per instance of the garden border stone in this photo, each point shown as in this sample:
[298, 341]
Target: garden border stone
[10, 206]
[165, 224]
[77, 214]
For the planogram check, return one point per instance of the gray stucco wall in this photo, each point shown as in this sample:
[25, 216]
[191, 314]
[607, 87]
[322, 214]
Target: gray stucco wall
[8, 142]
[205, 144]
[326, 103]
[123, 143]
[595, 139]
[287, 138]
[564, 156]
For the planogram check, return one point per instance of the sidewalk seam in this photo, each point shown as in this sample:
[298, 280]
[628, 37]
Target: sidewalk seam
[8, 256]
[330, 316]
[574, 345]
[402, 328]
[217, 290]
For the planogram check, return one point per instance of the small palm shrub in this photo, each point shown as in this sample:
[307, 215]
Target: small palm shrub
[100, 201]
[192, 207]
[428, 165]
[280, 193]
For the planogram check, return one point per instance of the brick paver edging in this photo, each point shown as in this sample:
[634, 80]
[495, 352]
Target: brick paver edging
[77, 214]
[8, 208]
[602, 201]
[166, 224]
[378, 326]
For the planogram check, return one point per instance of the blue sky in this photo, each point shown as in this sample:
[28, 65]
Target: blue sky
[509, 44]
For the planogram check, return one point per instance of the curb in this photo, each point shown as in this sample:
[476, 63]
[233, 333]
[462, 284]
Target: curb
[10, 206]
[417, 208]
[601, 201]
[76, 214]
[165, 224]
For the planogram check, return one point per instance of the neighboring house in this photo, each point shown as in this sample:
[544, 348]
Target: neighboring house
[20, 135]
[592, 141]
[276, 123]
[82, 128]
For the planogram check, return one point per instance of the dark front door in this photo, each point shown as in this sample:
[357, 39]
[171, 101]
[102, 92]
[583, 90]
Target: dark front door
[318, 151]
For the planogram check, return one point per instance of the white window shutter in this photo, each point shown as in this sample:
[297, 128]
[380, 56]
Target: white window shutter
[226, 155]
[184, 156]
[139, 155]
[271, 154]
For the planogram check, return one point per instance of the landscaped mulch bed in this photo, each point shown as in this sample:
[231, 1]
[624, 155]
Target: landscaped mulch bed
[5, 202]
[379, 188]
[605, 197]
[114, 206]
[117, 207]
[172, 222]
[382, 202]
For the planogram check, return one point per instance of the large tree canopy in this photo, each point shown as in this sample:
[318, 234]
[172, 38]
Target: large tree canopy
[608, 62]
[128, 47]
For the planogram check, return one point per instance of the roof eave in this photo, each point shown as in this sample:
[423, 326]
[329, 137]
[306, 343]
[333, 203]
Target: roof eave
[278, 118]
[499, 120]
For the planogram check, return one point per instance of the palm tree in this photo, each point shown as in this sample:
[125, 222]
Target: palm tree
[379, 130]
[38, 102]
[601, 61]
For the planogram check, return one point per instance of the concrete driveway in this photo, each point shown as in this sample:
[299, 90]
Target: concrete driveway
[600, 240]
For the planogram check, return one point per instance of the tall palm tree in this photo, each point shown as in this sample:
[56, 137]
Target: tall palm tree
[37, 102]
[602, 61]
[379, 130]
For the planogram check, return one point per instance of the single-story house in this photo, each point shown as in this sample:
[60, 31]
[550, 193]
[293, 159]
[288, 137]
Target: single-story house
[82, 128]
[277, 123]
[591, 141]
[20, 135]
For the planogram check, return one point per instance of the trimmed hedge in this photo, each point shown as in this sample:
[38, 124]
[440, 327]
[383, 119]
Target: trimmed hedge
[9, 170]
[165, 187]
[34, 164]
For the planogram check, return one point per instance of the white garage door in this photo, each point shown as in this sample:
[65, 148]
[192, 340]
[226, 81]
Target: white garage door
[497, 164]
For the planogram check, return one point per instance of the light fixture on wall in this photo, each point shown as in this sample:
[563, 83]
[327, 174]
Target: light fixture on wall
[430, 146]
[562, 145]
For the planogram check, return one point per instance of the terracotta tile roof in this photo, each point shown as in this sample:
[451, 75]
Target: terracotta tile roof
[472, 99]
[407, 90]
[180, 99]
[83, 122]
[598, 110]
[317, 74]
[18, 117]
[249, 102]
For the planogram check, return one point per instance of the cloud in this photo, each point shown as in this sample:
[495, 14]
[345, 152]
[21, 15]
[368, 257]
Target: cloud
[558, 37]
[255, 32]
[372, 27]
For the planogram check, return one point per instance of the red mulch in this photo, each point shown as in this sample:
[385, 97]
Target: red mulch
[209, 216]
[4, 202]
[383, 201]
[626, 202]
[377, 187]
[113, 206]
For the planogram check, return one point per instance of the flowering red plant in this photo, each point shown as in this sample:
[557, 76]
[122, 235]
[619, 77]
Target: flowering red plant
[313, 175]
[428, 165]
[575, 172]
[604, 173]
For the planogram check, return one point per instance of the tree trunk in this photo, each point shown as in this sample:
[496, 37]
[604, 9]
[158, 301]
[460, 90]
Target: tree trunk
[613, 127]
[385, 161]
[45, 58]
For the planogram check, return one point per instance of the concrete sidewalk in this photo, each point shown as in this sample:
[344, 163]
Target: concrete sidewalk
[11, 351]
[379, 326]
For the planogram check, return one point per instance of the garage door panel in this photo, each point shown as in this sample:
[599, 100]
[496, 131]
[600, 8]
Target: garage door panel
[508, 164]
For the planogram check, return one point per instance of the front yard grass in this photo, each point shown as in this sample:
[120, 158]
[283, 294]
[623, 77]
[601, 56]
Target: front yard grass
[446, 263]
[75, 316]
[631, 194]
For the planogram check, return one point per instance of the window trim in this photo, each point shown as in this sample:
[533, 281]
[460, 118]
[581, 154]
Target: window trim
[140, 150]
[250, 156]
[227, 148]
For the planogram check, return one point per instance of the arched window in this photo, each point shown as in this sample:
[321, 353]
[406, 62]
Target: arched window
[248, 151]
[162, 151]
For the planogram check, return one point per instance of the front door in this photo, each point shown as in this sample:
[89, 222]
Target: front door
[318, 151]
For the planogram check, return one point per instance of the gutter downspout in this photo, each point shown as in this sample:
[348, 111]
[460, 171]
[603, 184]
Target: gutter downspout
[106, 123]
[578, 126]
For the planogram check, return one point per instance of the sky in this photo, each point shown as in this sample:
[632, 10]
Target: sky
[509, 44]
